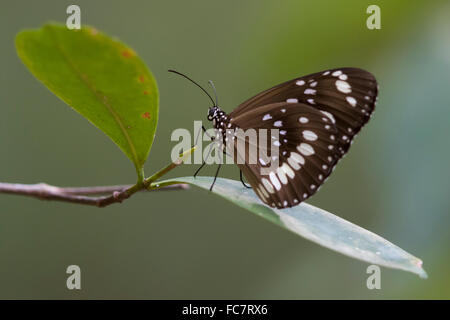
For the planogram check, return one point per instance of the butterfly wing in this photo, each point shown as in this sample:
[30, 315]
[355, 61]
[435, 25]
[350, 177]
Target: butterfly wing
[307, 151]
[346, 95]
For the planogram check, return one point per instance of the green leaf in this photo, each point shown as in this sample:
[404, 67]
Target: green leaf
[101, 78]
[316, 225]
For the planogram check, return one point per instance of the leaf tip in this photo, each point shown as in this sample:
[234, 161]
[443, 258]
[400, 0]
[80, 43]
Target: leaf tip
[420, 271]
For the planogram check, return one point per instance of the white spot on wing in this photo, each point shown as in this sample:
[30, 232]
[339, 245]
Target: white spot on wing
[303, 120]
[305, 149]
[267, 185]
[259, 193]
[343, 86]
[351, 101]
[282, 175]
[293, 163]
[329, 115]
[292, 100]
[310, 91]
[298, 158]
[274, 180]
[263, 191]
[300, 82]
[309, 135]
[278, 123]
[288, 170]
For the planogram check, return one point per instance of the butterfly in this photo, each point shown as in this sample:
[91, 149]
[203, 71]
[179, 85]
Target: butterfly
[317, 117]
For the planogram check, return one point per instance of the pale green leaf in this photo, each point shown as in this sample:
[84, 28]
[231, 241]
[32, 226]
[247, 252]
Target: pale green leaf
[316, 225]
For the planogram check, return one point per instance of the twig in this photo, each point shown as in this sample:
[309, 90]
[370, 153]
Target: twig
[110, 189]
[80, 195]
[45, 191]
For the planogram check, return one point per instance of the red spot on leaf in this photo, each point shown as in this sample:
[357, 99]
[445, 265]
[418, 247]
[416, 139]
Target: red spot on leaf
[127, 53]
[146, 115]
[145, 92]
[141, 79]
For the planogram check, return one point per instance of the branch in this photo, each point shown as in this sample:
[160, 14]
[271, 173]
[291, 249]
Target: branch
[110, 189]
[45, 191]
[80, 195]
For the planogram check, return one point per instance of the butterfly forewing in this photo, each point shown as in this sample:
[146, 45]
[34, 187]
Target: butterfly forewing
[307, 150]
[346, 95]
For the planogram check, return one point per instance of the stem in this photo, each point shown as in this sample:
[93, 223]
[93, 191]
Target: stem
[97, 190]
[80, 195]
[140, 174]
[163, 171]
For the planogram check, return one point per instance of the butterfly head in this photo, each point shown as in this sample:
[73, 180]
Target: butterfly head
[212, 112]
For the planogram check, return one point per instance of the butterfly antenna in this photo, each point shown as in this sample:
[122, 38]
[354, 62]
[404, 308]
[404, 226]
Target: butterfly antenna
[185, 76]
[215, 92]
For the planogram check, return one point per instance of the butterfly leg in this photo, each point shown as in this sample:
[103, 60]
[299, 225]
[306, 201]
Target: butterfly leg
[198, 136]
[203, 164]
[204, 130]
[215, 177]
[242, 180]
[217, 173]
[198, 170]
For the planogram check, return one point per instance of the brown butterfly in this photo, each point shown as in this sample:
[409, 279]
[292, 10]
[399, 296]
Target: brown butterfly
[317, 116]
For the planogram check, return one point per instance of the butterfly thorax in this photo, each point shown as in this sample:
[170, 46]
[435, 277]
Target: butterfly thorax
[221, 123]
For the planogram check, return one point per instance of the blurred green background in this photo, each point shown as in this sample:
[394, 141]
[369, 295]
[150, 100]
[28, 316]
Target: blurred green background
[190, 244]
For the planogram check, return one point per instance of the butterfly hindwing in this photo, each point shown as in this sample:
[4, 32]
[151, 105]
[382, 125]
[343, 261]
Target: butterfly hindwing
[307, 151]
